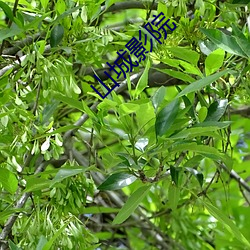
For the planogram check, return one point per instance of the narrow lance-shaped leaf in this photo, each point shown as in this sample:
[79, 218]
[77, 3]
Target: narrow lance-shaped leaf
[216, 110]
[158, 97]
[223, 41]
[132, 203]
[174, 172]
[117, 181]
[8, 180]
[7, 10]
[56, 35]
[229, 224]
[143, 81]
[166, 117]
[13, 246]
[197, 85]
[173, 196]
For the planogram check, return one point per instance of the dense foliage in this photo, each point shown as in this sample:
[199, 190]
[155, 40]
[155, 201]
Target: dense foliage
[161, 163]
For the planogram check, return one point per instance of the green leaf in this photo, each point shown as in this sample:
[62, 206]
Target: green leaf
[67, 12]
[44, 3]
[174, 172]
[8, 180]
[35, 184]
[117, 181]
[56, 35]
[207, 46]
[70, 101]
[36, 21]
[219, 125]
[128, 108]
[193, 132]
[227, 223]
[49, 110]
[214, 61]
[7, 10]
[194, 161]
[49, 244]
[223, 41]
[202, 114]
[198, 175]
[41, 243]
[189, 68]
[216, 110]
[197, 85]
[244, 45]
[56, 131]
[238, 33]
[98, 210]
[166, 117]
[132, 203]
[177, 74]
[66, 172]
[186, 54]
[158, 97]
[9, 32]
[173, 196]
[188, 104]
[9, 211]
[204, 150]
[143, 81]
[13, 246]
[108, 3]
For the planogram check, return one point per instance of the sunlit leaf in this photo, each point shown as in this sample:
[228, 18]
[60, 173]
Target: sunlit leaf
[216, 110]
[117, 181]
[158, 97]
[214, 61]
[143, 81]
[36, 183]
[173, 196]
[7, 10]
[185, 54]
[8, 180]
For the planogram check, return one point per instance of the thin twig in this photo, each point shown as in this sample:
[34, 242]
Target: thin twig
[235, 176]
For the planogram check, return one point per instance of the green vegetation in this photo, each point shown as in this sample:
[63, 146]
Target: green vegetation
[161, 163]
